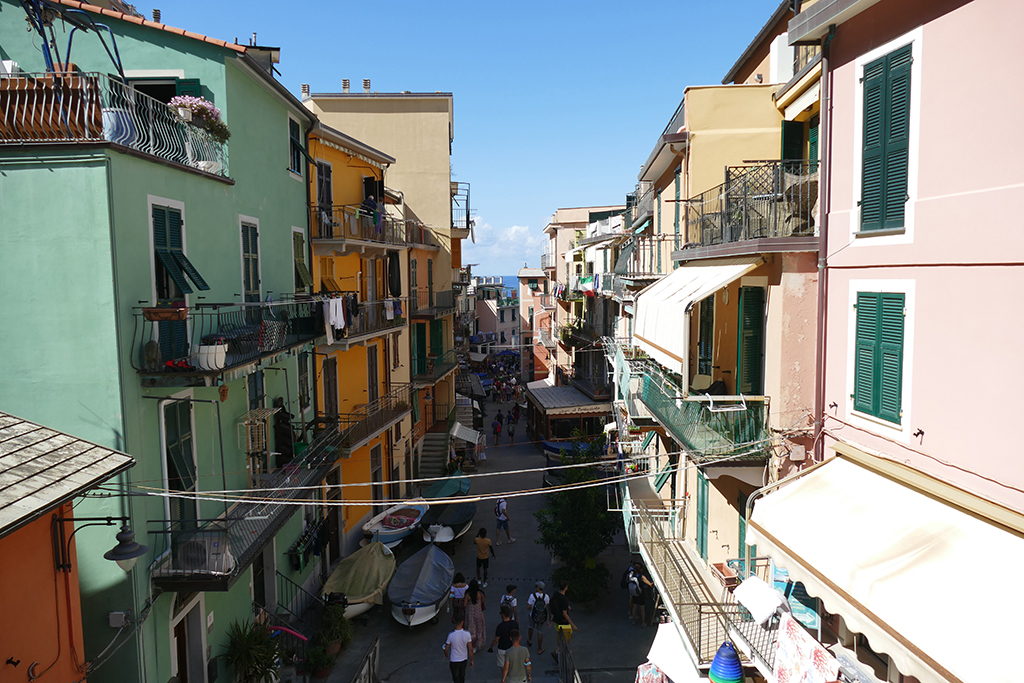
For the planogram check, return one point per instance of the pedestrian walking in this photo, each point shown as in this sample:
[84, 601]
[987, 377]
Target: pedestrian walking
[560, 614]
[484, 553]
[517, 668]
[496, 428]
[509, 598]
[501, 513]
[503, 634]
[538, 603]
[511, 431]
[459, 651]
[641, 589]
[458, 598]
[476, 603]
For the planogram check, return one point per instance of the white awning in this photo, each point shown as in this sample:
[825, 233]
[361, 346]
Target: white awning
[661, 326]
[900, 562]
[540, 383]
[668, 654]
[477, 357]
[465, 433]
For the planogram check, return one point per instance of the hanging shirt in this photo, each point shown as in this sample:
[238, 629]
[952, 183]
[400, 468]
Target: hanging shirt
[389, 309]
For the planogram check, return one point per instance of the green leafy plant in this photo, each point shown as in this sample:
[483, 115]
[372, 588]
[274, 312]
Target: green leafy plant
[251, 653]
[334, 627]
[318, 659]
[585, 584]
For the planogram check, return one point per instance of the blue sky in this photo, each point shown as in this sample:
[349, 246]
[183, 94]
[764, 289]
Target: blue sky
[556, 104]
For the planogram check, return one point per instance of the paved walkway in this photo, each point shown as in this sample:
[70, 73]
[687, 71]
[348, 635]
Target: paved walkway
[607, 647]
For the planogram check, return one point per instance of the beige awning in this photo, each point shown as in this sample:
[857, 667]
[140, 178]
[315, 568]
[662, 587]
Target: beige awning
[460, 431]
[896, 554]
[661, 326]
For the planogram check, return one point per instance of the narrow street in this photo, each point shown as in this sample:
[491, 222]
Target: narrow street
[607, 647]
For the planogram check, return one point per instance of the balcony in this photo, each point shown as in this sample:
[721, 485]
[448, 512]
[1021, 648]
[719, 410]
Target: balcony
[709, 427]
[48, 108]
[191, 346]
[367, 421]
[373, 321]
[427, 370]
[546, 339]
[506, 302]
[460, 277]
[421, 236]
[628, 365]
[770, 206]
[705, 615]
[547, 260]
[340, 224]
[212, 554]
[462, 221]
[593, 383]
[428, 303]
[644, 258]
[642, 209]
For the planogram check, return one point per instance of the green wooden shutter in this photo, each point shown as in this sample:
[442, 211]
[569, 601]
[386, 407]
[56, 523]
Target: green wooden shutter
[750, 363]
[188, 86]
[865, 371]
[812, 138]
[897, 137]
[303, 278]
[160, 227]
[741, 505]
[702, 514]
[437, 337]
[890, 357]
[873, 159]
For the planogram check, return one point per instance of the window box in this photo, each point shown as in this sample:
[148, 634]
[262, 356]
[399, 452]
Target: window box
[163, 314]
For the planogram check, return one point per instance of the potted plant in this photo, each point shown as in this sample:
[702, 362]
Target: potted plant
[165, 314]
[251, 653]
[318, 662]
[335, 632]
[203, 115]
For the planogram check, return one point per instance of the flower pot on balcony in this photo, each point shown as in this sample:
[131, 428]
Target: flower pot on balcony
[212, 356]
[163, 314]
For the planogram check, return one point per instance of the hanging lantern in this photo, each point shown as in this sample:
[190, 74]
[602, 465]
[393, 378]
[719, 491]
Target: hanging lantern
[726, 667]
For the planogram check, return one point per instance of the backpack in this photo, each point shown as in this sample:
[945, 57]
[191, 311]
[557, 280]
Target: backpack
[506, 600]
[539, 610]
[634, 585]
[497, 507]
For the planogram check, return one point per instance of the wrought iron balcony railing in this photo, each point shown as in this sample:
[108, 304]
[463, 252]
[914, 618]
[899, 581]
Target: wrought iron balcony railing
[211, 554]
[763, 200]
[461, 214]
[645, 257]
[93, 107]
[208, 339]
[709, 427]
[368, 420]
[353, 222]
[424, 301]
[431, 368]
[374, 317]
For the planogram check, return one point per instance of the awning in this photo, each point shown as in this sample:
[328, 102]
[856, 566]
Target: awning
[477, 357]
[669, 654]
[459, 431]
[562, 400]
[661, 326]
[643, 226]
[540, 383]
[897, 554]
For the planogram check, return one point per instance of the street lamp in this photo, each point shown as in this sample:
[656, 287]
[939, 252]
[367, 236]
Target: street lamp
[126, 553]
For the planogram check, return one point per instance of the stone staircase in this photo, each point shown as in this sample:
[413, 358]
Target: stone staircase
[435, 454]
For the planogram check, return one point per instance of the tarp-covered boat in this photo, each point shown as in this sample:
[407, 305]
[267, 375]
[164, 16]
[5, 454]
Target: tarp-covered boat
[362, 578]
[455, 485]
[420, 587]
[444, 523]
[396, 522]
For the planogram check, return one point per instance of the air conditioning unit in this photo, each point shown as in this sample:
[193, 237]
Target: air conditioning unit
[206, 554]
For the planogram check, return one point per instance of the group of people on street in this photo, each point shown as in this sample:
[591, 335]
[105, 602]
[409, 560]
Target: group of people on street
[510, 421]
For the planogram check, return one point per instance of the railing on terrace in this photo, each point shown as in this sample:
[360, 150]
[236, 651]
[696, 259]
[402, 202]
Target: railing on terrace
[291, 647]
[434, 367]
[461, 214]
[761, 200]
[546, 300]
[504, 302]
[677, 120]
[93, 107]
[375, 317]
[628, 368]
[418, 233]
[547, 260]
[425, 301]
[365, 421]
[207, 339]
[210, 554]
[709, 427]
[353, 222]
[460, 276]
[639, 257]
[641, 208]
[607, 283]
[593, 383]
[546, 340]
[619, 289]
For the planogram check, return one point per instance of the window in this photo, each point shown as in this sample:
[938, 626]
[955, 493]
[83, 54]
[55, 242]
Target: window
[530, 312]
[503, 337]
[501, 315]
[886, 142]
[304, 394]
[703, 489]
[166, 88]
[513, 312]
[171, 269]
[706, 335]
[250, 262]
[303, 279]
[295, 146]
[257, 392]
[750, 356]
[878, 359]
[179, 458]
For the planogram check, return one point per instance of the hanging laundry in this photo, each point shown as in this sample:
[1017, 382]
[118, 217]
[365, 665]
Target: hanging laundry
[328, 326]
[398, 307]
[389, 309]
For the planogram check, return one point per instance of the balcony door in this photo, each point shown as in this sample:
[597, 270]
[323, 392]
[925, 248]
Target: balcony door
[331, 388]
[377, 478]
[372, 377]
[750, 345]
[324, 198]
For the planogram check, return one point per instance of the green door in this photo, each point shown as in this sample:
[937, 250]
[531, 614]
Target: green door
[437, 337]
[702, 514]
[750, 345]
[419, 342]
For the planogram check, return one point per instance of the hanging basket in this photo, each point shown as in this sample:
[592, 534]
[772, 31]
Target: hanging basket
[164, 315]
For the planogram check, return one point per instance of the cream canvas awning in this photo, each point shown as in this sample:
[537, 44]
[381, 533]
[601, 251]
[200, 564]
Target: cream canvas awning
[460, 431]
[661, 326]
[895, 553]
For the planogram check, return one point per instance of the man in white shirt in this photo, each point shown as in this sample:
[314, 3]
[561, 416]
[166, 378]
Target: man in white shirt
[501, 512]
[459, 651]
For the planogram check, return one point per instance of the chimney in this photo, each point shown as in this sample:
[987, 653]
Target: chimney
[305, 89]
[253, 41]
[366, 85]
[344, 85]
[156, 16]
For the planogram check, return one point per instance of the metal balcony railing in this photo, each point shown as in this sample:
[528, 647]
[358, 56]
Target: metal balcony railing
[645, 257]
[353, 222]
[547, 260]
[461, 214]
[208, 339]
[419, 234]
[460, 276]
[93, 107]
[628, 365]
[210, 554]
[709, 427]
[368, 420]
[504, 302]
[546, 339]
[424, 301]
[434, 367]
[375, 317]
[762, 200]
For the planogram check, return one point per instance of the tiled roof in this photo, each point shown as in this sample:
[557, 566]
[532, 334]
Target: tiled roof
[41, 468]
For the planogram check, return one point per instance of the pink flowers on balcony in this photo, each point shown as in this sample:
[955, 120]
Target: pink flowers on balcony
[204, 115]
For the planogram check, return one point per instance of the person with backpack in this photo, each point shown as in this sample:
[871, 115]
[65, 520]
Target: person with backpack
[496, 428]
[641, 590]
[501, 512]
[509, 598]
[511, 431]
[538, 604]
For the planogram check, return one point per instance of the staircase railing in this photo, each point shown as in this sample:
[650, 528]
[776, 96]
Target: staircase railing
[302, 606]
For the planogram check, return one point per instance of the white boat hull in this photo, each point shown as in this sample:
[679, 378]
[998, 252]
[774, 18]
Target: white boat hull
[414, 616]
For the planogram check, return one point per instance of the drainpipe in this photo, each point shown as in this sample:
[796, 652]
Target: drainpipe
[314, 384]
[826, 204]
